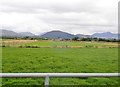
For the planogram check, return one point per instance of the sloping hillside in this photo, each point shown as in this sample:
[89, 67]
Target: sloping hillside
[57, 34]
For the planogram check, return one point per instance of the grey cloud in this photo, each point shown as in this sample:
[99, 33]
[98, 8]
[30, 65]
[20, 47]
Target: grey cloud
[69, 15]
[78, 20]
[59, 7]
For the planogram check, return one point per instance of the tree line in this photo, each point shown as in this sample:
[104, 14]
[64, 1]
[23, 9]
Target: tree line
[73, 39]
[95, 39]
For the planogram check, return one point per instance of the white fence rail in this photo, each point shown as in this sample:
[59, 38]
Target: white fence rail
[48, 75]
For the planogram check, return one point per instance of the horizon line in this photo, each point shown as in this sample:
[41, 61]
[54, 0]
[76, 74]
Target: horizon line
[57, 30]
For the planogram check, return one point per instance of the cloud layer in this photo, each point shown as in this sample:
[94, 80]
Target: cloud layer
[74, 16]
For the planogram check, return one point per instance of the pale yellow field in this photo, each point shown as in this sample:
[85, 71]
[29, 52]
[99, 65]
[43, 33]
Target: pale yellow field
[15, 42]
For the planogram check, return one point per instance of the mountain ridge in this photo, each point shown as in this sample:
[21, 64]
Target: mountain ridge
[10, 33]
[55, 34]
[106, 35]
[26, 34]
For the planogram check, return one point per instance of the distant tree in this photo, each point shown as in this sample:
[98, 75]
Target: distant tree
[27, 37]
[86, 39]
[75, 38]
[83, 39]
[94, 39]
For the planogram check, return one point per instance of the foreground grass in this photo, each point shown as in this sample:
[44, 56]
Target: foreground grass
[61, 60]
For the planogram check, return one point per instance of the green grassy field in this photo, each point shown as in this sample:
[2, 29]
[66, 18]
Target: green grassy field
[78, 60]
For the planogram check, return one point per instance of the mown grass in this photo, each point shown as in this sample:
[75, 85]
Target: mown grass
[74, 60]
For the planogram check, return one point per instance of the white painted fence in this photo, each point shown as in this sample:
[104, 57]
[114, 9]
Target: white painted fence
[48, 75]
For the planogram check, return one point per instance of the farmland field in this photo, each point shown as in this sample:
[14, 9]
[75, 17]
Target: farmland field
[88, 59]
[50, 43]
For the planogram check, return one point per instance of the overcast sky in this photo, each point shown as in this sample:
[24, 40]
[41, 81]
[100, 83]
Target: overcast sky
[73, 16]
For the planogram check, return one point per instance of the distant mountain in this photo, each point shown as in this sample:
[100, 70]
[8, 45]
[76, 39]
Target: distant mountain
[26, 34]
[57, 34]
[9, 33]
[82, 36]
[106, 35]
